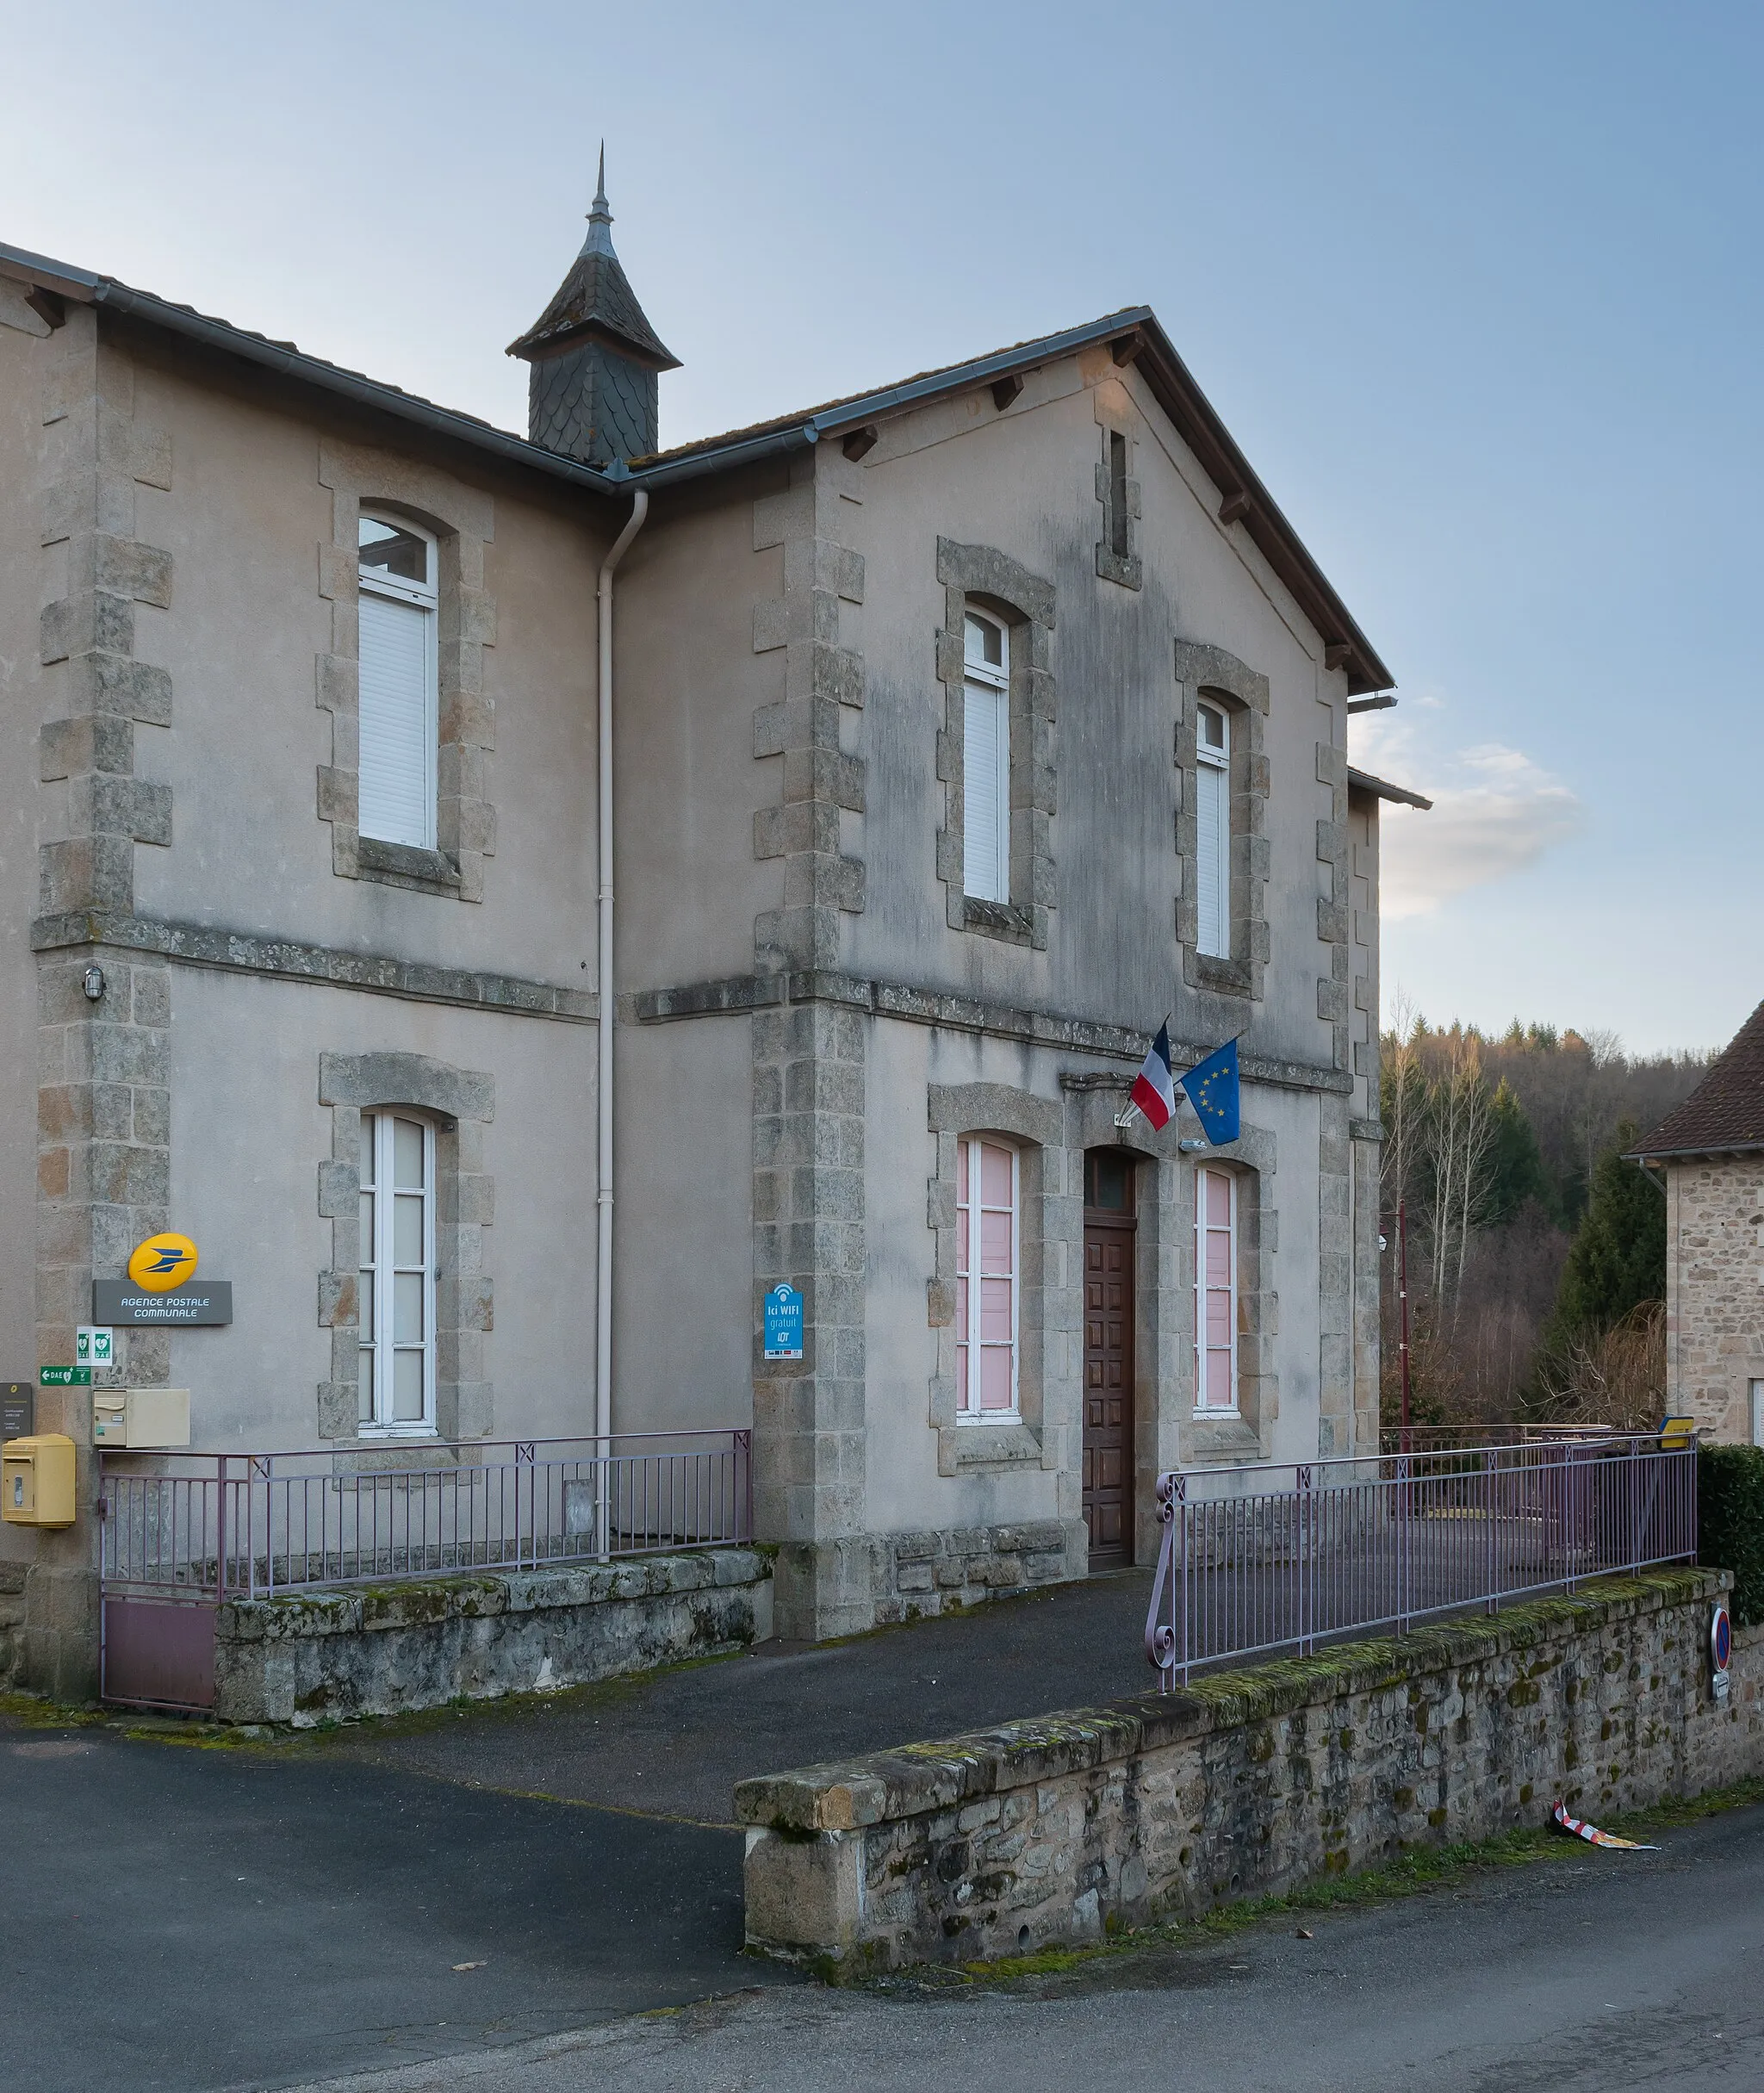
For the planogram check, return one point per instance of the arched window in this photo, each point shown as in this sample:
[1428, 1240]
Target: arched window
[987, 1237]
[985, 757]
[398, 706]
[1212, 831]
[397, 1273]
[1215, 1290]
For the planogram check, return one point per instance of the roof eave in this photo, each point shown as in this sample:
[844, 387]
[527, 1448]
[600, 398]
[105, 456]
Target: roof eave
[1699, 1148]
[1244, 498]
[1135, 331]
[654, 355]
[1381, 788]
[350, 385]
[1140, 339]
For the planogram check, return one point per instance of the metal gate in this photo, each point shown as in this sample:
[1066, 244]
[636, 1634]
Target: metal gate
[157, 1653]
[181, 1534]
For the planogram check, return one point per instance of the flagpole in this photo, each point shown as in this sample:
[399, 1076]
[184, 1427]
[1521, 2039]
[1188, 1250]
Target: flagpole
[1124, 1117]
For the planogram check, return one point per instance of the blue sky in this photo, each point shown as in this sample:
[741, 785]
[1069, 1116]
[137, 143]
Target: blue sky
[1476, 288]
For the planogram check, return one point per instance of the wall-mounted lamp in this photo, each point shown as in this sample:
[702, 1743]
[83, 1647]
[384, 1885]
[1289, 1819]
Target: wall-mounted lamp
[1193, 1147]
[93, 983]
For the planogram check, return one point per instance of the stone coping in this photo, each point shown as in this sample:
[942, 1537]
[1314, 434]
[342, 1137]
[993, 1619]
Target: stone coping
[914, 1779]
[416, 1602]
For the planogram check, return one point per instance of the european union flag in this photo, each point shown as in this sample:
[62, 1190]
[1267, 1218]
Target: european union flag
[1213, 1091]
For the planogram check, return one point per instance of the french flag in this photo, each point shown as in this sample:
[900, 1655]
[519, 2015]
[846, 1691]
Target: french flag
[1154, 1087]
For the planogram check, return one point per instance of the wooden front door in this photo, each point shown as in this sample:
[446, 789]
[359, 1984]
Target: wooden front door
[1108, 1359]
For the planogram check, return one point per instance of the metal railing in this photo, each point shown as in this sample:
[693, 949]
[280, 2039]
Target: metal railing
[1452, 1438]
[1264, 1558]
[214, 1526]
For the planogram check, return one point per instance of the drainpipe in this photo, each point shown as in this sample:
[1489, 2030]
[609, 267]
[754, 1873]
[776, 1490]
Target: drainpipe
[603, 1244]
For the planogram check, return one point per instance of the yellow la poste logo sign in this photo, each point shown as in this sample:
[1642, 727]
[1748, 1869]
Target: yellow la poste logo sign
[162, 1263]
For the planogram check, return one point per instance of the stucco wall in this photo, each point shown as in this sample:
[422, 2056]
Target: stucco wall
[683, 1325]
[1250, 1783]
[23, 357]
[1023, 481]
[688, 681]
[245, 520]
[1715, 1290]
[248, 1136]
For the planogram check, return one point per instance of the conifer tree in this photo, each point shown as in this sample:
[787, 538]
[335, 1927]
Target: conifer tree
[1617, 1258]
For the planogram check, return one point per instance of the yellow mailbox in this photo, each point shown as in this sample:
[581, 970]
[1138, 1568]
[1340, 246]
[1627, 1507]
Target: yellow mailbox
[36, 1481]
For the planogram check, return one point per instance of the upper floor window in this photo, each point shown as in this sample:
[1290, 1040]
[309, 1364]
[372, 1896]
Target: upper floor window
[986, 1259]
[399, 707]
[985, 758]
[397, 1304]
[1212, 831]
[1215, 1290]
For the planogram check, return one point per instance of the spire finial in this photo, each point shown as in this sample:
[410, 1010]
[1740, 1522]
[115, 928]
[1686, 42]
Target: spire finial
[600, 239]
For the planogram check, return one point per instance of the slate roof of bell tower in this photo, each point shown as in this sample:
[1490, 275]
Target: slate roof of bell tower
[596, 299]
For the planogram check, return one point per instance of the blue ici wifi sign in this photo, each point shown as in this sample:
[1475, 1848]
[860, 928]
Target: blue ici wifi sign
[784, 1323]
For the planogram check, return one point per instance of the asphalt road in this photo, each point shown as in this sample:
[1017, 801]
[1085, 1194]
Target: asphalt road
[1586, 1973]
[180, 1920]
[175, 1920]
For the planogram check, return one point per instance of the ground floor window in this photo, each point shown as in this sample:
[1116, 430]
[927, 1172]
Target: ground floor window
[397, 1273]
[1215, 1290]
[986, 1279]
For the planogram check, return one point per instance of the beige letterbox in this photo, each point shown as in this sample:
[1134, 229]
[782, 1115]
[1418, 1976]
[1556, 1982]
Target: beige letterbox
[140, 1417]
[36, 1481]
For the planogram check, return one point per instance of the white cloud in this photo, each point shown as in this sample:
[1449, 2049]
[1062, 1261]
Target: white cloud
[1496, 811]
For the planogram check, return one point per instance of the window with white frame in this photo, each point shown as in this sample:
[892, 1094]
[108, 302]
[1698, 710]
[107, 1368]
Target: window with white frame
[986, 1280]
[1215, 1290]
[397, 1273]
[399, 703]
[985, 757]
[1213, 831]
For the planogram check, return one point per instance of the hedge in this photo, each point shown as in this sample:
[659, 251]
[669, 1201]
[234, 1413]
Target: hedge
[1730, 1523]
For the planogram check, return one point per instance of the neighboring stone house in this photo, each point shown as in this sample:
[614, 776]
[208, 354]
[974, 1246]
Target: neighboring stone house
[963, 728]
[1711, 1152]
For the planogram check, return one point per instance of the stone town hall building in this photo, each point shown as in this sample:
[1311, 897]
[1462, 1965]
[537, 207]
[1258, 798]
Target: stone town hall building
[962, 729]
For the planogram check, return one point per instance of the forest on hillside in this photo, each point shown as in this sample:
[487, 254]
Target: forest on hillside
[1535, 1253]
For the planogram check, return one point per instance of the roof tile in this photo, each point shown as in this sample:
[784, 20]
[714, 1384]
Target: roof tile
[1726, 1109]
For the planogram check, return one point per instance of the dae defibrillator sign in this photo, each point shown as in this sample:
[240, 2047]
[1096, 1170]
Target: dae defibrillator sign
[784, 1323]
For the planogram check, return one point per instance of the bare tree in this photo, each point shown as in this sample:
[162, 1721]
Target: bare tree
[1461, 1145]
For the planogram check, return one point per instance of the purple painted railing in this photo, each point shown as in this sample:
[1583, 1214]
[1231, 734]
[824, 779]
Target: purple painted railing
[1264, 1558]
[237, 1525]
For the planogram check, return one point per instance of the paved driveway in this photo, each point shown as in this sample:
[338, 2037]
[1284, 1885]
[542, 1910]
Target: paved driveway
[676, 1743]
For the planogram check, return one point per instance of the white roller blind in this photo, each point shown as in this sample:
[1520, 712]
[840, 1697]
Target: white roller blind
[1212, 871]
[397, 722]
[986, 792]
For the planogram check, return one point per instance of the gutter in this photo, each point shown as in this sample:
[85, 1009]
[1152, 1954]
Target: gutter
[1134, 333]
[1703, 1148]
[1381, 788]
[83, 288]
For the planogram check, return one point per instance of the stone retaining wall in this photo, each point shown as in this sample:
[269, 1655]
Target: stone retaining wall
[1252, 1782]
[921, 1574]
[388, 1649]
[12, 1576]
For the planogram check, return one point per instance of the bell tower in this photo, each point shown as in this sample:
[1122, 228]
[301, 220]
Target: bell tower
[594, 359]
